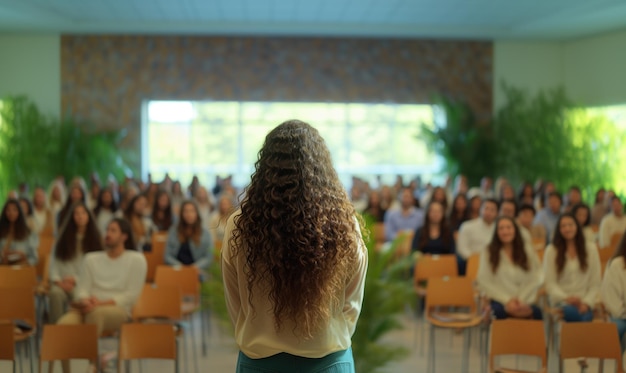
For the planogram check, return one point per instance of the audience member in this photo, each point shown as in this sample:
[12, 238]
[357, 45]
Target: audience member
[80, 236]
[509, 273]
[407, 218]
[613, 223]
[18, 245]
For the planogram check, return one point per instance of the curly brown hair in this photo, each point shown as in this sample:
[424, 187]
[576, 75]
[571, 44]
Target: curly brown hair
[65, 248]
[297, 229]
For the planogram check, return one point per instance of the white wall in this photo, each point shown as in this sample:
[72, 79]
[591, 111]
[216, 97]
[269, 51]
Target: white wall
[595, 69]
[31, 65]
[529, 65]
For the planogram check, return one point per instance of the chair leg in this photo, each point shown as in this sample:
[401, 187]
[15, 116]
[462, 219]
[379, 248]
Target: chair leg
[466, 346]
[31, 353]
[194, 344]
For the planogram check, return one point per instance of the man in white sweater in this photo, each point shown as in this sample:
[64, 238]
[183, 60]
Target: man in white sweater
[475, 234]
[110, 283]
[613, 223]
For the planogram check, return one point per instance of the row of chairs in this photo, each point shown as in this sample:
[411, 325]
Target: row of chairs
[66, 342]
[176, 289]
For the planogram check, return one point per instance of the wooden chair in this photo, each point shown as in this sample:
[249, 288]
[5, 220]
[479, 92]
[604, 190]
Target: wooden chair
[378, 234]
[20, 307]
[605, 255]
[592, 340]
[431, 266]
[427, 267]
[147, 341]
[471, 270]
[188, 282]
[158, 303]
[517, 337]
[65, 342]
[156, 257]
[46, 242]
[18, 276]
[7, 342]
[451, 292]
[539, 243]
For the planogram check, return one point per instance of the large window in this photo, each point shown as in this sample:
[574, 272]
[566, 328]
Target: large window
[208, 139]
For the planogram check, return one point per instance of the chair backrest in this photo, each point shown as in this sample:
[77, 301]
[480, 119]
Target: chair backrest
[146, 341]
[159, 240]
[17, 303]
[430, 266]
[590, 339]
[18, 276]
[64, 342]
[158, 302]
[7, 342]
[450, 291]
[153, 260]
[539, 243]
[185, 278]
[518, 337]
[471, 270]
[45, 249]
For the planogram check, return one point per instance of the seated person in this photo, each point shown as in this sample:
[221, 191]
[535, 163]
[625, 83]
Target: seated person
[18, 245]
[189, 242]
[79, 237]
[509, 273]
[572, 271]
[434, 237]
[110, 283]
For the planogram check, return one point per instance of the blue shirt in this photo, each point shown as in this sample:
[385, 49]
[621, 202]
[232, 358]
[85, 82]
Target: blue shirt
[548, 219]
[396, 221]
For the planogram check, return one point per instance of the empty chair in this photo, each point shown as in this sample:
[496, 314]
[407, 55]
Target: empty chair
[445, 293]
[147, 341]
[593, 340]
[20, 307]
[517, 337]
[66, 342]
[7, 342]
[471, 270]
[18, 276]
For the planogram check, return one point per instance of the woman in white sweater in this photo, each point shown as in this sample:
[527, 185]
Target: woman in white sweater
[572, 271]
[80, 236]
[509, 273]
[613, 291]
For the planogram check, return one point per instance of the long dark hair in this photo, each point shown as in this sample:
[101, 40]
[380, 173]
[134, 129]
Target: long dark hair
[582, 206]
[126, 229]
[444, 229]
[519, 256]
[297, 229]
[65, 248]
[20, 228]
[189, 231]
[163, 223]
[559, 243]
[63, 214]
[100, 205]
[444, 201]
[129, 211]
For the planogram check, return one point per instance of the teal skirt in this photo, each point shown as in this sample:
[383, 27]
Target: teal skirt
[337, 362]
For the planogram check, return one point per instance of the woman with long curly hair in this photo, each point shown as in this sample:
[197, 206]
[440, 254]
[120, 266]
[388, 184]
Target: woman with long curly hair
[293, 259]
[572, 270]
[79, 237]
[613, 289]
[509, 273]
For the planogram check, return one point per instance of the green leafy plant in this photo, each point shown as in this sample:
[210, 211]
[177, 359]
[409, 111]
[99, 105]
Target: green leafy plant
[36, 148]
[387, 292]
[547, 136]
[467, 146]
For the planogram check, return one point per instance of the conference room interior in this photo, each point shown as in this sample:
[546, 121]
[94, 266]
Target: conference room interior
[150, 69]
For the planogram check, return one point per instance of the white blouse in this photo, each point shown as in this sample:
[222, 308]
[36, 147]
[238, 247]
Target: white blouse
[613, 291]
[510, 280]
[573, 281]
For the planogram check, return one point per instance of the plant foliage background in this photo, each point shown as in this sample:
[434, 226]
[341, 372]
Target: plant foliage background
[37, 148]
[543, 135]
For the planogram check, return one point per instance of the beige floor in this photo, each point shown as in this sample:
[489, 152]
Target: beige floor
[222, 355]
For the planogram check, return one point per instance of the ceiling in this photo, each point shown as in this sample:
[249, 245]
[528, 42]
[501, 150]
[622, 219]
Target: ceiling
[466, 19]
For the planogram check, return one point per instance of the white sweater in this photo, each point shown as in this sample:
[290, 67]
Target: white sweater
[510, 280]
[573, 281]
[120, 279]
[474, 236]
[610, 225]
[613, 291]
[254, 329]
